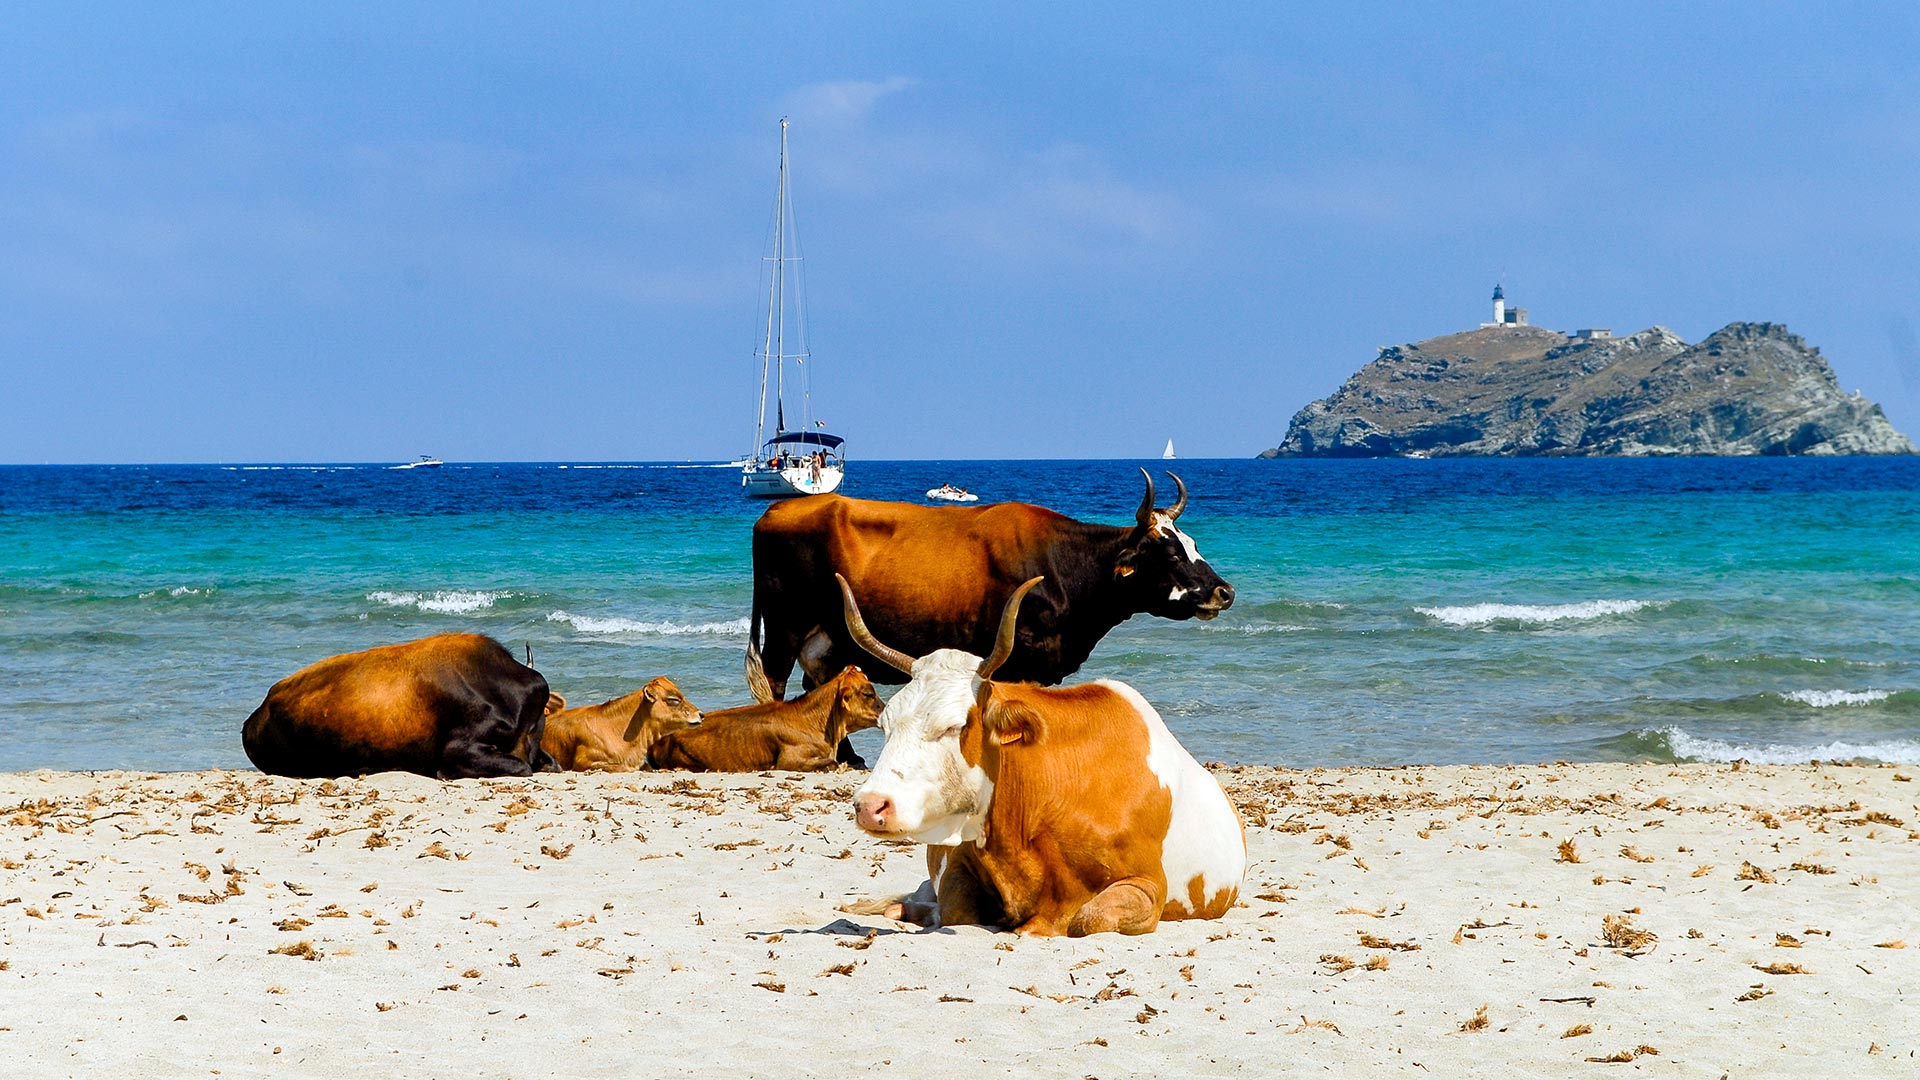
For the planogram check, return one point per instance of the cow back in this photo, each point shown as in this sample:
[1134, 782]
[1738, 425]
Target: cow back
[453, 704]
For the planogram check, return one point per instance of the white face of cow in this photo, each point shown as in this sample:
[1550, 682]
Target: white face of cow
[923, 788]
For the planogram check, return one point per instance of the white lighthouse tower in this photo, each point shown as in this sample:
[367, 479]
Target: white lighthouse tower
[1499, 306]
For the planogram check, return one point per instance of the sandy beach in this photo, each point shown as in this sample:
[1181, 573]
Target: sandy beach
[1457, 921]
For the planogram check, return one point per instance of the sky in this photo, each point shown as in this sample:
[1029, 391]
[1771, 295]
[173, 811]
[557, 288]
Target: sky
[368, 231]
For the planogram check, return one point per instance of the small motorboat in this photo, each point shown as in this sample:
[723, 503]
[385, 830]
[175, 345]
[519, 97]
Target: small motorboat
[427, 461]
[949, 493]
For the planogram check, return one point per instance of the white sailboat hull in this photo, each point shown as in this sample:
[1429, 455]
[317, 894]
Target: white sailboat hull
[761, 482]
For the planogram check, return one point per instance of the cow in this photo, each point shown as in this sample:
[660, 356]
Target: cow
[450, 706]
[936, 576]
[801, 735]
[1050, 811]
[614, 736]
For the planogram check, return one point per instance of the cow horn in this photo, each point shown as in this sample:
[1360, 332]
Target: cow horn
[1003, 644]
[863, 637]
[1180, 504]
[1145, 514]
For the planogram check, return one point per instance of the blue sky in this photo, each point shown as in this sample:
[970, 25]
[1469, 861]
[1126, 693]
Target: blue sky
[368, 231]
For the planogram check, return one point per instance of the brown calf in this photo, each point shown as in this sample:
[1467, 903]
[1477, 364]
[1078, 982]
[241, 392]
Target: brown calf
[614, 736]
[800, 735]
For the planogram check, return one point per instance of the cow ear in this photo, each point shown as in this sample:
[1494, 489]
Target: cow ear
[1123, 563]
[1012, 721]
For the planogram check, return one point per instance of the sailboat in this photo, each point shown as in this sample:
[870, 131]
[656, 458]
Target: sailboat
[1167, 454]
[805, 460]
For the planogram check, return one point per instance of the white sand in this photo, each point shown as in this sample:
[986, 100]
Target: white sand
[647, 925]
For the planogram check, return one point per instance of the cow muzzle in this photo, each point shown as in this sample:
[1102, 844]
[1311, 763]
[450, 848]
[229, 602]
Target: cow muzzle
[1221, 600]
[874, 814]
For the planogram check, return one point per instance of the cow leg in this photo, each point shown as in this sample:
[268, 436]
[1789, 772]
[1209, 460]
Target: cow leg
[1128, 906]
[818, 666]
[783, 647]
[816, 659]
[920, 907]
[965, 900]
[811, 757]
[845, 754]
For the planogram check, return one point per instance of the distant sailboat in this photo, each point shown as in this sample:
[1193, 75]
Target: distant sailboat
[1167, 454]
[806, 460]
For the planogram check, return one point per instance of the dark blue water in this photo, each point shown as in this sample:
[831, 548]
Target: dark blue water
[1389, 611]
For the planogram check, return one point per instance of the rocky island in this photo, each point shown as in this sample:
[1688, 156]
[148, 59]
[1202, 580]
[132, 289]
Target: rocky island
[1512, 389]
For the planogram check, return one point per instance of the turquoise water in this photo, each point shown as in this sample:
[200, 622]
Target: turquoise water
[1388, 611]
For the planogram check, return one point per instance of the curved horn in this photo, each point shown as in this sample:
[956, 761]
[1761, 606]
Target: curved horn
[1144, 515]
[863, 637]
[1180, 504]
[1003, 644]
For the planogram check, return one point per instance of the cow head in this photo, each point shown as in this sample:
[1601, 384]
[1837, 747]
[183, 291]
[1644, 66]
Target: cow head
[856, 705]
[662, 708]
[662, 700]
[935, 776]
[1161, 570]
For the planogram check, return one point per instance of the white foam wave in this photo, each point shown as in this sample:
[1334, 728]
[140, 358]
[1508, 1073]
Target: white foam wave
[177, 590]
[1252, 628]
[1824, 699]
[591, 624]
[1483, 614]
[1697, 748]
[444, 602]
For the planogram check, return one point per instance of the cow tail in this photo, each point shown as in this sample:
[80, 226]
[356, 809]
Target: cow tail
[756, 672]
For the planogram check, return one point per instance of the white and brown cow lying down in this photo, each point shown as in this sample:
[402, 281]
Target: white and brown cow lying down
[801, 734]
[451, 706]
[614, 736]
[1049, 811]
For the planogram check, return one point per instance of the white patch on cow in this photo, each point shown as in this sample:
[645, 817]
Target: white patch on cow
[1177, 593]
[936, 797]
[1204, 835]
[1186, 542]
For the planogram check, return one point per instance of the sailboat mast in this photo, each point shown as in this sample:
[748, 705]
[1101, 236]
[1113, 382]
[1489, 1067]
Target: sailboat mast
[769, 357]
[780, 290]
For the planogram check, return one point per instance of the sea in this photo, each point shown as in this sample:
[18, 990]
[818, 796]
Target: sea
[1388, 611]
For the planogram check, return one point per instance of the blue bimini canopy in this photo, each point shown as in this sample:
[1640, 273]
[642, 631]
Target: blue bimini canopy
[806, 438]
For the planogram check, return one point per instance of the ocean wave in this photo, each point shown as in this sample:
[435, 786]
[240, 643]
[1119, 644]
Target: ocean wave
[592, 624]
[1485, 614]
[1252, 628]
[1824, 699]
[177, 590]
[1683, 746]
[444, 602]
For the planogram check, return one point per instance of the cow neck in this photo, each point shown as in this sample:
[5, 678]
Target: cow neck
[1083, 572]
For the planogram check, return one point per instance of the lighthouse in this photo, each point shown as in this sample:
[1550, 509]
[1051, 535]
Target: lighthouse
[1504, 315]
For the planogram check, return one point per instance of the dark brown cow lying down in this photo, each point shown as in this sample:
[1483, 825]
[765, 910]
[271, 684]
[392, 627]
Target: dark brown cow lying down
[800, 735]
[450, 706]
[614, 736]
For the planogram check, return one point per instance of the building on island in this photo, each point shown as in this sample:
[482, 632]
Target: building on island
[1504, 315]
[1517, 316]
